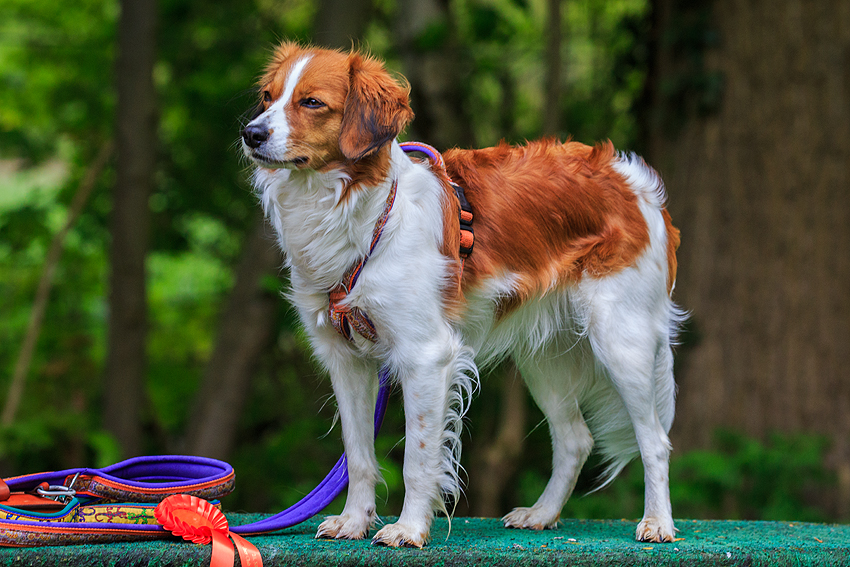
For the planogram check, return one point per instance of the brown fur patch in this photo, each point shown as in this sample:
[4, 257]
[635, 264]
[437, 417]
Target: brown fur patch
[548, 211]
[364, 109]
[376, 109]
[673, 241]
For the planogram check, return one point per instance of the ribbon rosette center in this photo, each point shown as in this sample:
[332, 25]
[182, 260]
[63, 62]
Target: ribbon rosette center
[198, 521]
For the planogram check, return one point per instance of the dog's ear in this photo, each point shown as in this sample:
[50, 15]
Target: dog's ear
[376, 108]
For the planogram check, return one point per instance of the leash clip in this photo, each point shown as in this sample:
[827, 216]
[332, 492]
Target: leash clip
[59, 492]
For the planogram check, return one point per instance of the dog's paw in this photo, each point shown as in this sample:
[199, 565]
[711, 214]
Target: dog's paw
[400, 535]
[530, 519]
[656, 530]
[344, 527]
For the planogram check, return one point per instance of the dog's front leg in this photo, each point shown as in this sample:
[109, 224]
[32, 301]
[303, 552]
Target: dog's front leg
[355, 384]
[435, 391]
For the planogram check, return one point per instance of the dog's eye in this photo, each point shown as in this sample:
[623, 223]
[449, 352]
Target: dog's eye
[311, 102]
[267, 96]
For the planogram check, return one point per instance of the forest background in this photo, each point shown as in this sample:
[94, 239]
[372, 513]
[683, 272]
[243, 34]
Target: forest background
[140, 307]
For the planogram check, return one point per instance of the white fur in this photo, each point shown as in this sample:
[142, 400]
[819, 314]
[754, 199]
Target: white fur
[278, 122]
[596, 355]
[322, 238]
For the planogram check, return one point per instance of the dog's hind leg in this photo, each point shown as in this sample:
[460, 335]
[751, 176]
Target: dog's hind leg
[629, 335]
[554, 381]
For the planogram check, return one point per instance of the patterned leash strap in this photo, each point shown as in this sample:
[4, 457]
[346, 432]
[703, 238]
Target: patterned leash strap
[115, 503]
[125, 501]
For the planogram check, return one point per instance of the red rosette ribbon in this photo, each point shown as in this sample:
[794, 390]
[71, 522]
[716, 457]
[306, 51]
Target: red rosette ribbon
[198, 521]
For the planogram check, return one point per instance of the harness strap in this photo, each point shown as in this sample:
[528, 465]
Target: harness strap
[467, 235]
[343, 317]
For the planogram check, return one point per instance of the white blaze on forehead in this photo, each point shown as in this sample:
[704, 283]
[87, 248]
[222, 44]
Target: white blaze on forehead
[277, 111]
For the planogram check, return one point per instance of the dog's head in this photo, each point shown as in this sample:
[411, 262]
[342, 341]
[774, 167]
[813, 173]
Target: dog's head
[320, 107]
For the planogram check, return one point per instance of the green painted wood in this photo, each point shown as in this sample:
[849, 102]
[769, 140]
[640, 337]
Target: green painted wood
[475, 541]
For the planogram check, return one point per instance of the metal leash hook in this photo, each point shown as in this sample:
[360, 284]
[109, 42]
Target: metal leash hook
[59, 492]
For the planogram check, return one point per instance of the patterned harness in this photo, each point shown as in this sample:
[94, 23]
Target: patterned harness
[343, 317]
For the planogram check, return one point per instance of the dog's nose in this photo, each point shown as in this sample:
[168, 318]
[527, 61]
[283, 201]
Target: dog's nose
[254, 135]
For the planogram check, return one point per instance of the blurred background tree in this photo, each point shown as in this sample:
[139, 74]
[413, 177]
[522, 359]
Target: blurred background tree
[748, 119]
[744, 110]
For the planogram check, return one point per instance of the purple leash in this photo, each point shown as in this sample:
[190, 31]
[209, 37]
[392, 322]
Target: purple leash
[146, 479]
[333, 484]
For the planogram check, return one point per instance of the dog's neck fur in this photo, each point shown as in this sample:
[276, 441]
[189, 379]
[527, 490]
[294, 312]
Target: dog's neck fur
[322, 228]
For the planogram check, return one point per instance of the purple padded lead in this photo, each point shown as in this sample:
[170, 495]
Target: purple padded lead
[174, 470]
[429, 151]
[166, 471]
[333, 484]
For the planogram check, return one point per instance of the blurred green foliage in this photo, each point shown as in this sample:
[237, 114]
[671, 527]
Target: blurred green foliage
[737, 478]
[57, 104]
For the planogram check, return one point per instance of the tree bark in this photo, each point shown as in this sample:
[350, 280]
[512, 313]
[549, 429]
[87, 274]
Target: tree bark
[552, 106]
[244, 331]
[434, 73]
[496, 462]
[341, 23]
[124, 392]
[759, 188]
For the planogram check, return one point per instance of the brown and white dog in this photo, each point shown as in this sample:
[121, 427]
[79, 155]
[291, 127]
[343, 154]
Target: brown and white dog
[571, 277]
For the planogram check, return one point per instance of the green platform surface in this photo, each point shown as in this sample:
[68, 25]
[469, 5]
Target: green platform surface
[476, 541]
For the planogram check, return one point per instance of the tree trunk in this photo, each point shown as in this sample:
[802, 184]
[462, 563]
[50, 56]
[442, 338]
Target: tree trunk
[341, 23]
[552, 105]
[244, 331]
[759, 187]
[434, 70]
[496, 462]
[124, 392]
[247, 323]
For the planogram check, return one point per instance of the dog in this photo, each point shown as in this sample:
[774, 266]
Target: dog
[571, 276]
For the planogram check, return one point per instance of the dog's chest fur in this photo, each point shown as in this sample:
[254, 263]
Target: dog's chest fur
[323, 235]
